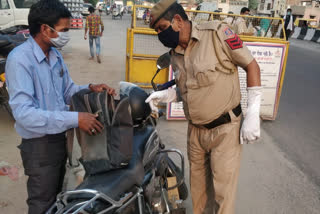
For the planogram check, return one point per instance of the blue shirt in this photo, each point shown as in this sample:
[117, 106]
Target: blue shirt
[40, 89]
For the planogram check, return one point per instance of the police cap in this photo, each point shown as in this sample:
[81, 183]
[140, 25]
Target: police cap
[159, 10]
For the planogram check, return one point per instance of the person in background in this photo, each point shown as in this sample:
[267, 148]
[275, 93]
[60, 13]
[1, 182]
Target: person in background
[229, 20]
[240, 25]
[217, 15]
[93, 25]
[40, 89]
[288, 23]
[265, 28]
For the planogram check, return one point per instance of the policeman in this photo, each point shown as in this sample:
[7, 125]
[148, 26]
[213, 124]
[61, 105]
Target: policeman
[240, 25]
[205, 58]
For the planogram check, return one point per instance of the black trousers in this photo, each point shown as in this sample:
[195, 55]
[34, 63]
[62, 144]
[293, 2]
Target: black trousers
[44, 162]
[288, 33]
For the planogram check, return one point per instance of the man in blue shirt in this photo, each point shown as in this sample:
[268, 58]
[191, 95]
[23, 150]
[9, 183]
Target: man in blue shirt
[40, 89]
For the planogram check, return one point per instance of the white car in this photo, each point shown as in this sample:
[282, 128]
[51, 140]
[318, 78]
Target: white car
[14, 13]
[85, 9]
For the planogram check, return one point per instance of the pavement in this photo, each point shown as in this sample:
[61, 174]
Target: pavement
[279, 174]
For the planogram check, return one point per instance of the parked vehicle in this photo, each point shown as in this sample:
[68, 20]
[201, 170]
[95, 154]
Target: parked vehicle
[85, 9]
[117, 11]
[145, 185]
[102, 4]
[108, 10]
[140, 13]
[15, 13]
[9, 39]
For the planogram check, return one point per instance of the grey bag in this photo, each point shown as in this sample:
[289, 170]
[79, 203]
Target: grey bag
[112, 148]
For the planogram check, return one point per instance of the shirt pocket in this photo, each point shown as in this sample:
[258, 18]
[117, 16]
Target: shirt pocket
[203, 75]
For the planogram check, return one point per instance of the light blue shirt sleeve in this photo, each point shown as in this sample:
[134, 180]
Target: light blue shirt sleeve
[24, 104]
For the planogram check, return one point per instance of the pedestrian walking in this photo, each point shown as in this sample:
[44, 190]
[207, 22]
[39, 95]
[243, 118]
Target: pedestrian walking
[204, 58]
[40, 90]
[240, 25]
[288, 24]
[95, 27]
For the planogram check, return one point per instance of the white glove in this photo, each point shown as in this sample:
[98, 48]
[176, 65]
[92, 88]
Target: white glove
[250, 130]
[164, 96]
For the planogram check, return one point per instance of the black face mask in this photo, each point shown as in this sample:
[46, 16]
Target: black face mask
[169, 37]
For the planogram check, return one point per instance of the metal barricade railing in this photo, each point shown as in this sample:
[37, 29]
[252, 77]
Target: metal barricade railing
[143, 49]
[255, 26]
[143, 46]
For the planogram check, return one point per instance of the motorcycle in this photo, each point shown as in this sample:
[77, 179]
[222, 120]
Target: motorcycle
[108, 10]
[161, 188]
[9, 39]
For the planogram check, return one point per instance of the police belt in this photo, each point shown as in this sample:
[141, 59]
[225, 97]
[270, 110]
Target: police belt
[223, 119]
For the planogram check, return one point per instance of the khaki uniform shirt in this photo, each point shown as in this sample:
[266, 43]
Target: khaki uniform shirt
[240, 26]
[206, 89]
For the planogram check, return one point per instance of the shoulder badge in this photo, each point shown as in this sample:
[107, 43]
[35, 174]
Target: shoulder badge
[235, 42]
[228, 32]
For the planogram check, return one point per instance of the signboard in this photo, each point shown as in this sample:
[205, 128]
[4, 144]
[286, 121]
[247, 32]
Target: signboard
[174, 109]
[270, 57]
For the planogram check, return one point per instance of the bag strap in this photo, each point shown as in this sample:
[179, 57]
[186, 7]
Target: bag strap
[70, 139]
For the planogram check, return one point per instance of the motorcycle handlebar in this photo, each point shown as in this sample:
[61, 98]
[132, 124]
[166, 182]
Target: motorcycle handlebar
[166, 85]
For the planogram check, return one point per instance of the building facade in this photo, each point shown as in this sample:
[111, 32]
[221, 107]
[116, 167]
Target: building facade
[274, 8]
[226, 6]
[305, 9]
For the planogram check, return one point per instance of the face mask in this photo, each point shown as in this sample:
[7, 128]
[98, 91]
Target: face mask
[169, 37]
[289, 13]
[62, 39]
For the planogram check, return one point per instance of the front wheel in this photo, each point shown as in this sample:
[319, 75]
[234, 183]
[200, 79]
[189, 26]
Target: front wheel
[176, 171]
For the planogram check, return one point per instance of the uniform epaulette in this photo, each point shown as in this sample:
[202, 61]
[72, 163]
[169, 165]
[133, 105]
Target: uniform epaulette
[209, 25]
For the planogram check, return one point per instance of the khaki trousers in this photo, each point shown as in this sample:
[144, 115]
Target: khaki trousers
[214, 156]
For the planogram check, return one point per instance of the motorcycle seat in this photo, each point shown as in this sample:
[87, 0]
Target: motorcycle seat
[115, 183]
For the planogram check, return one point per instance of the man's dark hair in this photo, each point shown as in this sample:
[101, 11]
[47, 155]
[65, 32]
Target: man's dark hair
[289, 10]
[173, 10]
[244, 9]
[91, 9]
[46, 12]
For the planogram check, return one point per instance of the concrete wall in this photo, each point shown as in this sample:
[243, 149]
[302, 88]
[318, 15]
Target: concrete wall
[263, 7]
[306, 12]
[236, 6]
[312, 12]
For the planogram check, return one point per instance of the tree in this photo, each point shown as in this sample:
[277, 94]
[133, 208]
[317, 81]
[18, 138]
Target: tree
[253, 4]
